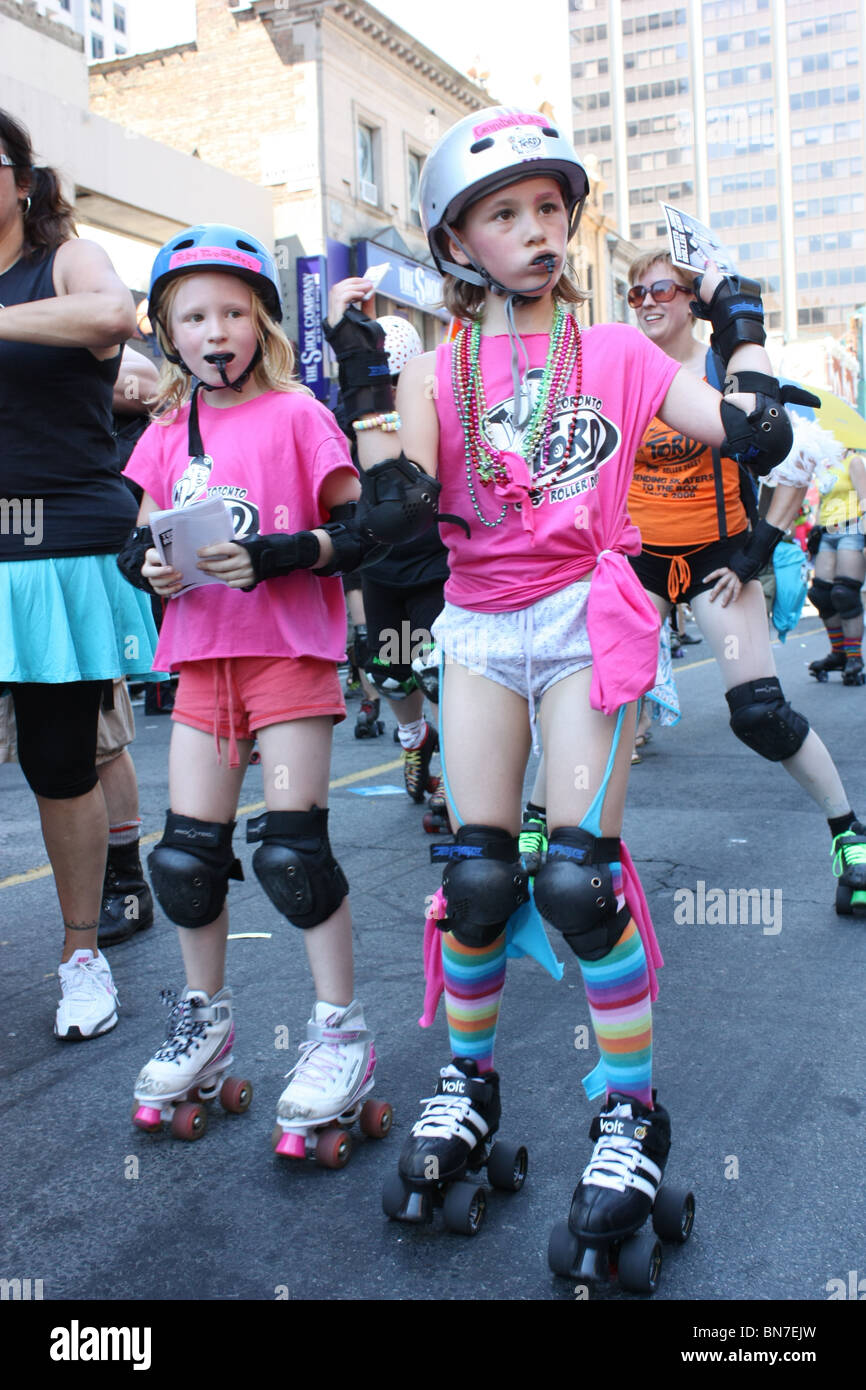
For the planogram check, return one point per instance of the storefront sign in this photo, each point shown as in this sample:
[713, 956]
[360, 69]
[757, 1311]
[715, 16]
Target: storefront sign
[401, 279]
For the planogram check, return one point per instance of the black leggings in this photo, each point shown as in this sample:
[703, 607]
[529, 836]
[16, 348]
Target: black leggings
[57, 736]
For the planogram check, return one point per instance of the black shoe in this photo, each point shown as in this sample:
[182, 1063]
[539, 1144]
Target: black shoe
[463, 1114]
[127, 903]
[688, 640]
[619, 1184]
[416, 765]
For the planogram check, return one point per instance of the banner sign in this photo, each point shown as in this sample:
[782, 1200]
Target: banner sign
[310, 271]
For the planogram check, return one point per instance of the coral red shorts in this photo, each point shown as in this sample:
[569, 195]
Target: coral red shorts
[231, 697]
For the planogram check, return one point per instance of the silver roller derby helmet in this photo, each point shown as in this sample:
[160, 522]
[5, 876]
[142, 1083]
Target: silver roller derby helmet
[483, 152]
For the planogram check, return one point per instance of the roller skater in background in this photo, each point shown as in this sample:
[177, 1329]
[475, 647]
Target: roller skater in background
[840, 565]
[532, 428]
[692, 504]
[403, 591]
[257, 655]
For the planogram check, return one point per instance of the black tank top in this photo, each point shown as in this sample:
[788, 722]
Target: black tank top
[60, 488]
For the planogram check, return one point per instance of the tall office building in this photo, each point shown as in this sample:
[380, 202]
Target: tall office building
[748, 113]
[103, 24]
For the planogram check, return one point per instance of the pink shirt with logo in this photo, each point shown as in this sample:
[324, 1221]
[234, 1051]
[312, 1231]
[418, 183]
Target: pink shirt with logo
[268, 458]
[571, 518]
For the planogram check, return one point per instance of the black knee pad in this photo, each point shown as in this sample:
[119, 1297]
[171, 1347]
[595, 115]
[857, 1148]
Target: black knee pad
[847, 600]
[296, 866]
[820, 596]
[762, 719]
[190, 869]
[574, 891]
[484, 882]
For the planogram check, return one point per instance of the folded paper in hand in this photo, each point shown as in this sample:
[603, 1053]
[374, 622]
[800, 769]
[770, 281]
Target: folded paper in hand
[179, 534]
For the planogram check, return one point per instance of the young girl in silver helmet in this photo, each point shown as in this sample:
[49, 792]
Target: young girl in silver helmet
[522, 432]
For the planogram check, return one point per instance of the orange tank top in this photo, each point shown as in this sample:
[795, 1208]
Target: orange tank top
[672, 499]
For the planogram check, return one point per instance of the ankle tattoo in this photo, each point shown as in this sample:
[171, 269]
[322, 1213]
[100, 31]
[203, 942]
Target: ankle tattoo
[80, 926]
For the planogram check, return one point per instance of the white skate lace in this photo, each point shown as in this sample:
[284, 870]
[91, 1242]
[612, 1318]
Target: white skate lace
[618, 1162]
[447, 1117]
[318, 1071]
[183, 1031]
[86, 980]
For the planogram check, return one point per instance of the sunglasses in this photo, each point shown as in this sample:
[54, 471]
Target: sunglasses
[5, 160]
[662, 291]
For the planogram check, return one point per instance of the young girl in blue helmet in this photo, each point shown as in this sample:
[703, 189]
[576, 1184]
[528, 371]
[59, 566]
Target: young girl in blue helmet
[257, 655]
[522, 434]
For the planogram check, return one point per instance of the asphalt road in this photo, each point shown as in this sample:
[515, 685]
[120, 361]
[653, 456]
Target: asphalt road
[759, 1052]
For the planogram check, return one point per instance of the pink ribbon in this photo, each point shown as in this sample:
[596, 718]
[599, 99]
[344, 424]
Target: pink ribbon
[516, 487]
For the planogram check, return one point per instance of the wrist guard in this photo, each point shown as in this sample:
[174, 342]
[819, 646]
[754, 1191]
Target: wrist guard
[756, 553]
[399, 501]
[277, 554]
[736, 313]
[352, 550]
[131, 558]
[760, 440]
[365, 373]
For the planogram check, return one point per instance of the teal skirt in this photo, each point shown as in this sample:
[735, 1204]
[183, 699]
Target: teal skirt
[74, 619]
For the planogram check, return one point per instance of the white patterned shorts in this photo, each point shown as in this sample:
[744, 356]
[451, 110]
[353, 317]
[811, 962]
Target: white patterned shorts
[528, 650]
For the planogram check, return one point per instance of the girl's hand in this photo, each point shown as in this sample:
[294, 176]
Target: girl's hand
[727, 586]
[229, 562]
[345, 292]
[162, 578]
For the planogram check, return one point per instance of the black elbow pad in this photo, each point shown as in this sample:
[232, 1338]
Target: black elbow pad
[760, 440]
[399, 501]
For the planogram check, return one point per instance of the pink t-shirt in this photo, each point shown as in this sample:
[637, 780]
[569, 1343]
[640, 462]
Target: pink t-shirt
[268, 458]
[532, 536]
[543, 546]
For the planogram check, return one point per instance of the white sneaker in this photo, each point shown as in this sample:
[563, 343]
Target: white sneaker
[335, 1067]
[197, 1048]
[89, 1004]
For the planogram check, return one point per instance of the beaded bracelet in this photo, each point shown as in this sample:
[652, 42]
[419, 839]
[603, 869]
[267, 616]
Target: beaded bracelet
[387, 423]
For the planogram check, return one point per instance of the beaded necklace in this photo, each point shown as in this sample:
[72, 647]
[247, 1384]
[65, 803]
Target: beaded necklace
[563, 356]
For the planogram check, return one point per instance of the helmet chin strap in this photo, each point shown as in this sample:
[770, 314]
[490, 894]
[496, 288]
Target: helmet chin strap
[220, 360]
[477, 275]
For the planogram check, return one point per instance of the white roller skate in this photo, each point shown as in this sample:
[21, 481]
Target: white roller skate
[191, 1067]
[327, 1089]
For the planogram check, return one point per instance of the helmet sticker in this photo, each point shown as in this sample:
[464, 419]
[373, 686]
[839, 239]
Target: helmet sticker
[212, 254]
[527, 145]
[509, 118]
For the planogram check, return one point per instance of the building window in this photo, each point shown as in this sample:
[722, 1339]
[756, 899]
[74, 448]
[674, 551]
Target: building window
[95, 9]
[97, 47]
[66, 5]
[120, 19]
[416, 163]
[368, 186]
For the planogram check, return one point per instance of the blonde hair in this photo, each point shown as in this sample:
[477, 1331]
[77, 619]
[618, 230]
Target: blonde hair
[639, 267]
[274, 371]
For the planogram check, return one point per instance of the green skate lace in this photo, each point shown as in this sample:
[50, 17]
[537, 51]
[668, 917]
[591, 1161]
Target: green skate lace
[848, 855]
[532, 838]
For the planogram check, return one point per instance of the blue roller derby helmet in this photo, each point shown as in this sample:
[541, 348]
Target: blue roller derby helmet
[213, 246]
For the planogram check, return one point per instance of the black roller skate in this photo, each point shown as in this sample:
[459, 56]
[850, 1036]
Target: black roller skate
[127, 903]
[849, 866]
[834, 661]
[619, 1188]
[532, 842]
[368, 724]
[853, 673]
[443, 1156]
[436, 820]
[416, 766]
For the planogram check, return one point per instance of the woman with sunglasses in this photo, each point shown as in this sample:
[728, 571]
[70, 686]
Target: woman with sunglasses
[693, 510]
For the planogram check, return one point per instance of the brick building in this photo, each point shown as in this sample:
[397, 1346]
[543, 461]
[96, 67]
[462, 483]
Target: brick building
[332, 107]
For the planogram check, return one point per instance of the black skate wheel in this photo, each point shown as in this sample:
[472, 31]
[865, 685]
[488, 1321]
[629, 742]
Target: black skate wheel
[563, 1250]
[465, 1206]
[640, 1263]
[674, 1214]
[189, 1121]
[236, 1095]
[820, 676]
[376, 1118]
[506, 1166]
[394, 1195]
[844, 905]
[333, 1148]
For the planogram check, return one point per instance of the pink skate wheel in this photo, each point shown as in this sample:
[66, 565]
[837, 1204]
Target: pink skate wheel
[376, 1118]
[333, 1148]
[145, 1117]
[291, 1145]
